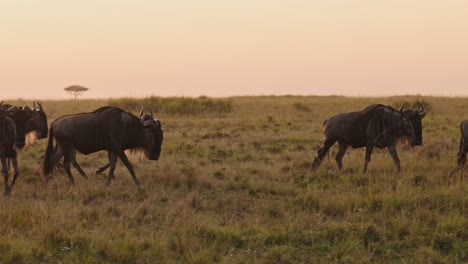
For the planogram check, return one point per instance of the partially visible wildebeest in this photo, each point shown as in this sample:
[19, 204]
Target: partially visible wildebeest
[7, 146]
[37, 124]
[28, 121]
[463, 148]
[375, 126]
[107, 128]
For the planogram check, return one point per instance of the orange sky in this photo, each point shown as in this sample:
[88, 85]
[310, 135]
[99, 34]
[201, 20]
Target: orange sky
[256, 47]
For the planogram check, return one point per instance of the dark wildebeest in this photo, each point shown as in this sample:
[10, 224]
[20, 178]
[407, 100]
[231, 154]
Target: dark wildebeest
[7, 146]
[37, 124]
[463, 148]
[107, 128]
[28, 121]
[376, 126]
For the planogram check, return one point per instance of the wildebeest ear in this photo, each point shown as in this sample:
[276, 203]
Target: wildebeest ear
[141, 111]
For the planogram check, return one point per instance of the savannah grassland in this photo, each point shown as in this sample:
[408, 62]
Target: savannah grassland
[234, 185]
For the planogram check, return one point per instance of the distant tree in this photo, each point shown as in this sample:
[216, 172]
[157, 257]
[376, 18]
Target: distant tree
[76, 90]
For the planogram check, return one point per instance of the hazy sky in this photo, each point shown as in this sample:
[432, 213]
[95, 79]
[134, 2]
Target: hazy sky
[224, 48]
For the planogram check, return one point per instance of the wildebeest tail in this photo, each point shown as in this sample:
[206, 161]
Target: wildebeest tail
[49, 163]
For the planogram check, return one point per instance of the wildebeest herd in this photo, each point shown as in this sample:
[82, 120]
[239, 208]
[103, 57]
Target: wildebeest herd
[115, 130]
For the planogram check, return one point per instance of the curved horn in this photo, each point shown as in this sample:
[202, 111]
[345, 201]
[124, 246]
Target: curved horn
[141, 111]
[40, 105]
[402, 106]
[34, 104]
[422, 107]
[12, 109]
[151, 113]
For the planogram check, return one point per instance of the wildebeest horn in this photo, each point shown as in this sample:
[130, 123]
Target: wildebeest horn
[151, 112]
[40, 105]
[141, 111]
[422, 107]
[34, 104]
[12, 109]
[402, 106]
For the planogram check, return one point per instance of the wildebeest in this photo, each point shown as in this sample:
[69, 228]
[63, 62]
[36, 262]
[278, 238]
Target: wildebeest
[463, 148]
[7, 146]
[28, 120]
[375, 126]
[37, 124]
[107, 128]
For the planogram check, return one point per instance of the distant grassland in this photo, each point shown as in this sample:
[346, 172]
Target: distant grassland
[234, 185]
[175, 105]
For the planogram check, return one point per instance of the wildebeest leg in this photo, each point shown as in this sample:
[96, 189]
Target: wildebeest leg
[67, 157]
[103, 168]
[112, 163]
[15, 168]
[129, 166]
[322, 152]
[393, 153]
[8, 164]
[369, 148]
[463, 149]
[339, 156]
[77, 166]
[5, 175]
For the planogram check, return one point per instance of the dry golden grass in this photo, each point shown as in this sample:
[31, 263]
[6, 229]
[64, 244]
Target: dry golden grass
[236, 187]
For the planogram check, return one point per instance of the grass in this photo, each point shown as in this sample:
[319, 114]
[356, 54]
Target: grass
[236, 187]
[175, 105]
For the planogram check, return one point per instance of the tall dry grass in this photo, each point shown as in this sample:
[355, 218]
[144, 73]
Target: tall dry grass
[236, 187]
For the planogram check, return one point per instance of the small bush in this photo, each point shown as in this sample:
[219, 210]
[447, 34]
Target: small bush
[301, 107]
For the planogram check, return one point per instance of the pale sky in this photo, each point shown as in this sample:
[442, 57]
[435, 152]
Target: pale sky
[226, 48]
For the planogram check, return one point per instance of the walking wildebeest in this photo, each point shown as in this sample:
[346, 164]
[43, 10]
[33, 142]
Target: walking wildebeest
[7, 146]
[375, 126]
[107, 128]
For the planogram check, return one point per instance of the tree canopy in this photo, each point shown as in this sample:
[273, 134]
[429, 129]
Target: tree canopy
[76, 90]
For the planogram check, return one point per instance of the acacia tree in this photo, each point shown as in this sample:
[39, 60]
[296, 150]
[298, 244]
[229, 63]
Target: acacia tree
[76, 90]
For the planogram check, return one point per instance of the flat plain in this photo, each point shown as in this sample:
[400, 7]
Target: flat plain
[234, 185]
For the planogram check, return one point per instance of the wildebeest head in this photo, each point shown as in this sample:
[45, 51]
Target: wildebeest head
[412, 124]
[153, 135]
[38, 121]
[20, 115]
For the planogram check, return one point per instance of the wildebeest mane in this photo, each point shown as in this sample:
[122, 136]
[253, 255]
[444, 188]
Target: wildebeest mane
[387, 121]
